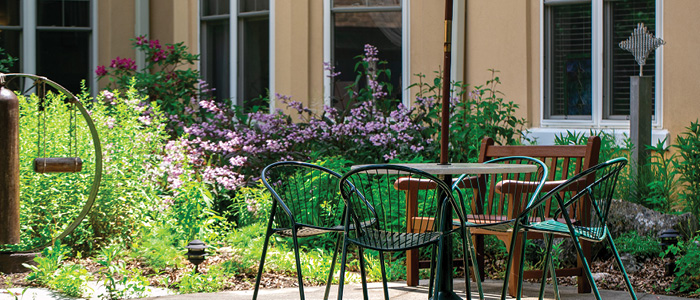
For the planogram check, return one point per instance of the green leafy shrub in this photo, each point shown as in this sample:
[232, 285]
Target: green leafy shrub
[159, 249]
[52, 272]
[71, 280]
[474, 114]
[47, 264]
[656, 185]
[119, 282]
[131, 146]
[211, 282]
[6, 61]
[688, 144]
[639, 246]
[687, 271]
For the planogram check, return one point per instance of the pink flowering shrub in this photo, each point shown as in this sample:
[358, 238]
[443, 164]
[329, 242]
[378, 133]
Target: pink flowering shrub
[230, 147]
[163, 79]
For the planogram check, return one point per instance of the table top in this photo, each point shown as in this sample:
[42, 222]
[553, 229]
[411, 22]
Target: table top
[467, 168]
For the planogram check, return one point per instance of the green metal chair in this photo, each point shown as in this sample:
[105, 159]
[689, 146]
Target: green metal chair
[567, 196]
[492, 202]
[373, 196]
[307, 203]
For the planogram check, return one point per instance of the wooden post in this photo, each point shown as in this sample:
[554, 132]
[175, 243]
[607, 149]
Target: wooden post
[640, 120]
[9, 167]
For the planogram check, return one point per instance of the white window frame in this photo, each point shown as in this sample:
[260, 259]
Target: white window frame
[28, 11]
[597, 121]
[233, 51]
[405, 51]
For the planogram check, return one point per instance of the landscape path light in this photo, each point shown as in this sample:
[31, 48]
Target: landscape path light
[667, 238]
[196, 253]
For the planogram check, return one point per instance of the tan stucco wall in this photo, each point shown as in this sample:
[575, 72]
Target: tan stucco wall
[681, 65]
[116, 28]
[498, 37]
[175, 21]
[299, 51]
[426, 40]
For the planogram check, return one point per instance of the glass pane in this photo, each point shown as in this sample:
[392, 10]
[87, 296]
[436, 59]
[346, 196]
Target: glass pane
[216, 58]
[253, 5]
[254, 77]
[64, 13]
[216, 7]
[351, 32]
[10, 41]
[9, 13]
[64, 57]
[625, 16]
[570, 86]
[345, 3]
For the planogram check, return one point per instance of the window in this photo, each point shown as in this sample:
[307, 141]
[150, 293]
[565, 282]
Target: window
[10, 31]
[247, 78]
[355, 23]
[571, 72]
[59, 33]
[215, 46]
[253, 52]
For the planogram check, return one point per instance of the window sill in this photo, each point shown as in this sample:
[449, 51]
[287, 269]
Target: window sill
[545, 136]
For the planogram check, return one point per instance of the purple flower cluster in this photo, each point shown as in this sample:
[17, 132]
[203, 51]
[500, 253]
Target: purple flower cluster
[331, 69]
[370, 53]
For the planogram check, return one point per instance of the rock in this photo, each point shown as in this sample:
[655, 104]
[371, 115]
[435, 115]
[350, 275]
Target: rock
[599, 276]
[631, 264]
[625, 216]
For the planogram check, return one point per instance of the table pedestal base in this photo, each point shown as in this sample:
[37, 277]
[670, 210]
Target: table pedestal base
[448, 295]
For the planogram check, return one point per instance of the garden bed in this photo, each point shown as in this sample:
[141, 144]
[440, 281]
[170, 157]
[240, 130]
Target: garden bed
[649, 279]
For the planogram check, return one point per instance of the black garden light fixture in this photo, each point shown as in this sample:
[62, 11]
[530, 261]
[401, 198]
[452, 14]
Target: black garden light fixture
[667, 238]
[196, 253]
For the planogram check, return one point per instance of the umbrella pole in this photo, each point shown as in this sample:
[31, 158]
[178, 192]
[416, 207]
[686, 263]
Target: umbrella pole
[446, 73]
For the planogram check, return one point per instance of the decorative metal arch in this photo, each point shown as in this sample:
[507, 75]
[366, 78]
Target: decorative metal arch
[96, 144]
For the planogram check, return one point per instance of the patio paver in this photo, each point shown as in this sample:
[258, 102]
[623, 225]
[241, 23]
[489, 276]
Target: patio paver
[399, 291]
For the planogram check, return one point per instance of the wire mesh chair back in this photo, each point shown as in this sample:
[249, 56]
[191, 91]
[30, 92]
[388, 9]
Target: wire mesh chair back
[308, 195]
[493, 199]
[599, 195]
[375, 194]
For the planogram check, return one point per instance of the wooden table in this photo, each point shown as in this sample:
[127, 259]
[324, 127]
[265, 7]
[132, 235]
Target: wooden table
[445, 287]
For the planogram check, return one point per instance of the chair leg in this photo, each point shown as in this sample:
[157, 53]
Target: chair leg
[384, 283]
[439, 245]
[521, 270]
[549, 266]
[553, 271]
[330, 274]
[504, 291]
[300, 278]
[343, 258]
[587, 268]
[363, 273]
[622, 267]
[268, 233]
[469, 249]
[433, 258]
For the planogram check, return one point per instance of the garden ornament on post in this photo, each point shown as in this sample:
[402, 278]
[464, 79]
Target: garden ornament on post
[196, 253]
[641, 43]
[11, 260]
